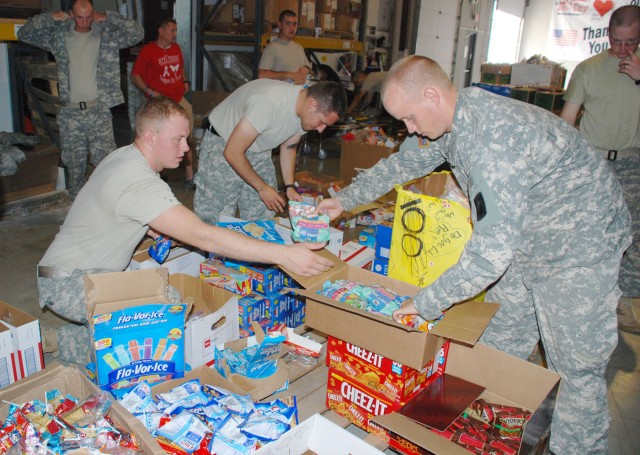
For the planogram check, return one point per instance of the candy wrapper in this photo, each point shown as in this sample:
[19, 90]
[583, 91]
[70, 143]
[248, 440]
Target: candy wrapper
[307, 226]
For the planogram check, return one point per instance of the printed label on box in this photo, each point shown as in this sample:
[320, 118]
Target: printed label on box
[393, 380]
[139, 343]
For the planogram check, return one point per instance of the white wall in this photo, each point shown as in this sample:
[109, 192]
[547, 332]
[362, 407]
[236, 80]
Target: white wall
[437, 31]
[443, 32]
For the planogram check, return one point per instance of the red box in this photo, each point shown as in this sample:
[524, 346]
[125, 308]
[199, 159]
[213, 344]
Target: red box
[394, 381]
[355, 402]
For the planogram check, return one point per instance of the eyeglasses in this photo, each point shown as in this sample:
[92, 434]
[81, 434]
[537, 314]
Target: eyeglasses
[627, 43]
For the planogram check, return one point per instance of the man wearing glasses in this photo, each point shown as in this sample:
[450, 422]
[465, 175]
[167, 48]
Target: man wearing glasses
[607, 87]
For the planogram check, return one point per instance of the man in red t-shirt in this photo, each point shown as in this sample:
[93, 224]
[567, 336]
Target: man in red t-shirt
[159, 71]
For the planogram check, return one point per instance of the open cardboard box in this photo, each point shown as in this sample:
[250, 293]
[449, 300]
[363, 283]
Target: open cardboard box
[463, 322]
[109, 293]
[257, 388]
[70, 380]
[507, 380]
[216, 322]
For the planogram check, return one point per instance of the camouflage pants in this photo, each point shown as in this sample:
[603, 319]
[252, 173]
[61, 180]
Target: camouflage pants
[82, 133]
[628, 172]
[65, 297]
[220, 191]
[573, 311]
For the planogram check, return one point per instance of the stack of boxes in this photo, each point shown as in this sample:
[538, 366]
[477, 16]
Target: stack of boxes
[264, 293]
[362, 385]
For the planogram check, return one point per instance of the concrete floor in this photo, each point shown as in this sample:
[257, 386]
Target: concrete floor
[27, 228]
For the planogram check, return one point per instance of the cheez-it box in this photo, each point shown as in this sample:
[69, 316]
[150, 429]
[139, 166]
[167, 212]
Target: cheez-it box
[395, 381]
[354, 401]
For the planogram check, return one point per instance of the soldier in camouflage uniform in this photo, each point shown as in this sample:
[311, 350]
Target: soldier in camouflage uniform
[235, 170]
[86, 47]
[123, 199]
[550, 227]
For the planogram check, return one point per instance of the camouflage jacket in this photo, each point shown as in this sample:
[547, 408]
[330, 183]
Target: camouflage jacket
[116, 32]
[540, 194]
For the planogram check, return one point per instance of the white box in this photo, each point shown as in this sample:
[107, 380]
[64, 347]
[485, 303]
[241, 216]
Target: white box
[357, 255]
[27, 344]
[8, 365]
[537, 74]
[180, 260]
[218, 323]
[321, 436]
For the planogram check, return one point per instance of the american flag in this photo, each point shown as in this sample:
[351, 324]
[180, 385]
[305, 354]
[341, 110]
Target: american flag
[565, 37]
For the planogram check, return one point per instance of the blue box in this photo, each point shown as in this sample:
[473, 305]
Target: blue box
[252, 307]
[380, 266]
[367, 237]
[383, 241]
[497, 89]
[138, 343]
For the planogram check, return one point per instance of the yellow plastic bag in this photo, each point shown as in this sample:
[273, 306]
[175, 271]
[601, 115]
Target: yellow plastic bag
[429, 232]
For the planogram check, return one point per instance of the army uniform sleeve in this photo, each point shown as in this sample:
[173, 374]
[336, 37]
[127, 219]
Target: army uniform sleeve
[125, 32]
[38, 31]
[498, 196]
[407, 164]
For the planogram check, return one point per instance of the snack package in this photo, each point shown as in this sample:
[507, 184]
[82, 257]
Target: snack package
[308, 227]
[159, 249]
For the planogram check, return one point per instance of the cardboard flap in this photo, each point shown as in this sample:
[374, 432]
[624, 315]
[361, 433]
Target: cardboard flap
[466, 321]
[205, 297]
[126, 289]
[419, 435]
[309, 282]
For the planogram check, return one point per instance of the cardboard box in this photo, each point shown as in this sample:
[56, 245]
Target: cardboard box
[318, 182]
[380, 266]
[273, 8]
[213, 319]
[326, 6]
[228, 12]
[350, 8]
[355, 156]
[345, 23]
[551, 100]
[357, 255]
[8, 359]
[25, 338]
[318, 435]
[307, 14]
[257, 388]
[383, 241]
[326, 21]
[179, 260]
[463, 322]
[524, 94]
[491, 73]
[37, 174]
[137, 332]
[357, 403]
[70, 380]
[507, 379]
[548, 74]
[392, 380]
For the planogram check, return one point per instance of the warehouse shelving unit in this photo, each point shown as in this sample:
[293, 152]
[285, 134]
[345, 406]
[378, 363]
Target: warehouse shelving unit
[251, 43]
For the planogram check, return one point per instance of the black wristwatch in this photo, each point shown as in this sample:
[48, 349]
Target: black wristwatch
[638, 82]
[290, 185]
